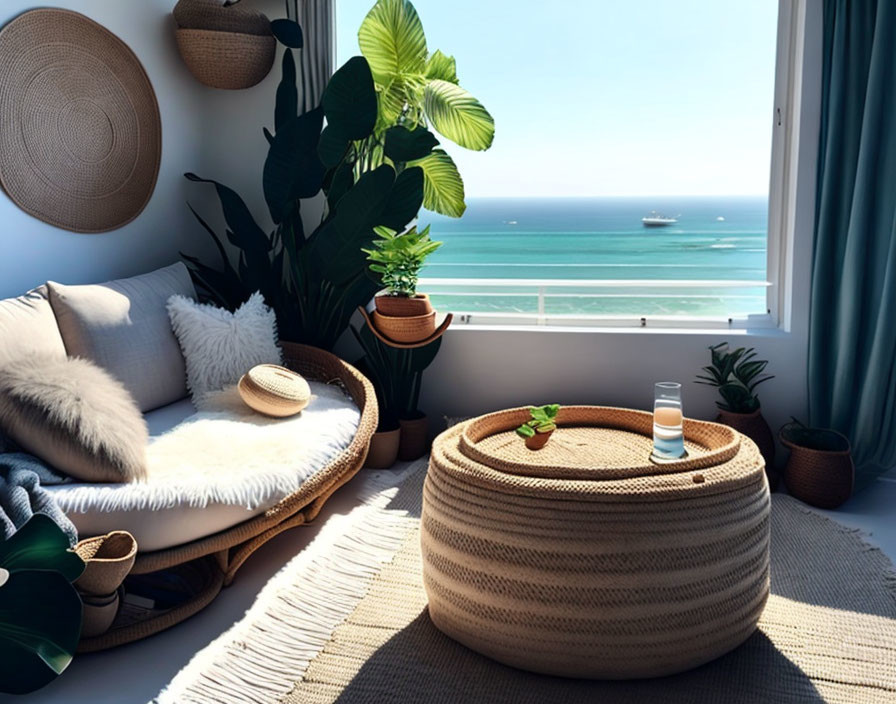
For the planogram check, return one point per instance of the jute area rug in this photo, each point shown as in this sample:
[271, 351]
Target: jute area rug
[828, 633]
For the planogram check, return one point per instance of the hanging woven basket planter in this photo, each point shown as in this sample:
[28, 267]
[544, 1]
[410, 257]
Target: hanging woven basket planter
[224, 46]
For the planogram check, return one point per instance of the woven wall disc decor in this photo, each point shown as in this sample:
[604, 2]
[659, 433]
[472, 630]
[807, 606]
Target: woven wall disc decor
[80, 132]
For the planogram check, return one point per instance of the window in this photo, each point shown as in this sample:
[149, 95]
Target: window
[629, 179]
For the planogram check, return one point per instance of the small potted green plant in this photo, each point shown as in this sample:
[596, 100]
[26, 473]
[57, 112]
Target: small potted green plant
[537, 430]
[402, 314]
[736, 374]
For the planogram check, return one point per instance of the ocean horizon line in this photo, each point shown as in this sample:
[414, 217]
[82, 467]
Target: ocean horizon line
[628, 196]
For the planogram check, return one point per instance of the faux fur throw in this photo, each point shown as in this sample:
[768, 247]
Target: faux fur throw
[74, 416]
[21, 495]
[228, 453]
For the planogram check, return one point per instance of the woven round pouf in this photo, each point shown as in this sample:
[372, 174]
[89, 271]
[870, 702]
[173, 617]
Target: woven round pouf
[274, 390]
[583, 559]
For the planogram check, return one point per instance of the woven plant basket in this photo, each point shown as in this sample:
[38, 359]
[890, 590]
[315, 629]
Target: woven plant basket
[403, 305]
[584, 559]
[822, 478]
[226, 60]
[406, 329]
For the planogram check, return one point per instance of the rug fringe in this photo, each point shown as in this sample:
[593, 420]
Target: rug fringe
[251, 665]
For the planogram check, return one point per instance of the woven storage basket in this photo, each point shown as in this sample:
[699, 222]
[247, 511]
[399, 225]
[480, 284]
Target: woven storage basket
[274, 390]
[822, 478]
[583, 559]
[224, 47]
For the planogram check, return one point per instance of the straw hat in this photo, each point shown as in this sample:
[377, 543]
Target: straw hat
[80, 133]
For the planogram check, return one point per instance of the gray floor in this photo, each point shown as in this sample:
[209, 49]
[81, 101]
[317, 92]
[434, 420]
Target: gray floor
[137, 672]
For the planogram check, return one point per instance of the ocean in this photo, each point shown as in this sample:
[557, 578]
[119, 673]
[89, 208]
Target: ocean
[567, 240]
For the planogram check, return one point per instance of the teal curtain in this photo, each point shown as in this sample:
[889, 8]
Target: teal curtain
[852, 338]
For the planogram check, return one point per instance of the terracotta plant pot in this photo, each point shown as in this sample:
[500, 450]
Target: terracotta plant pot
[383, 449]
[405, 329]
[403, 306]
[539, 440]
[414, 438]
[754, 426]
[822, 478]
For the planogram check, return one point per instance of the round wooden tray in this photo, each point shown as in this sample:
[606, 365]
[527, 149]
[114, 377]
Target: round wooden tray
[592, 443]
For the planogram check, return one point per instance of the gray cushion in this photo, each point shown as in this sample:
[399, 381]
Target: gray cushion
[74, 416]
[28, 327]
[123, 327]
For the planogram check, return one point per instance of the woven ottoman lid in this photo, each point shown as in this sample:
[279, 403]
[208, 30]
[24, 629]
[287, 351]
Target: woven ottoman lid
[596, 451]
[274, 390]
[80, 132]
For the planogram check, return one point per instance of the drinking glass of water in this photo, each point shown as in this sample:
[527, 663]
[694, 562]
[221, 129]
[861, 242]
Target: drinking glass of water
[668, 434]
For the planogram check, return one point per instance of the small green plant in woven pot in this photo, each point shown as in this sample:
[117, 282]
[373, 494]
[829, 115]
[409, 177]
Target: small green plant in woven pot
[542, 422]
[40, 610]
[397, 259]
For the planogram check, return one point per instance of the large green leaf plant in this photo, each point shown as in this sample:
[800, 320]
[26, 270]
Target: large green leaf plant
[40, 611]
[314, 281]
[417, 90]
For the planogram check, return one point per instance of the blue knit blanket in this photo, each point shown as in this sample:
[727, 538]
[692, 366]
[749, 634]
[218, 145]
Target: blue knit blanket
[21, 494]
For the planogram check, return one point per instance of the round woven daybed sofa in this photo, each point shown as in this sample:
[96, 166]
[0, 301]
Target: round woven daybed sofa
[209, 563]
[584, 559]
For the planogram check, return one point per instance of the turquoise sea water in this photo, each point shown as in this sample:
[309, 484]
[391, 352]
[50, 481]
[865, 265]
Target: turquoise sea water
[603, 238]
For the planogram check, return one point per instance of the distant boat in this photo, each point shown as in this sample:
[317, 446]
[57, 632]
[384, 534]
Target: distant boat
[657, 220]
[720, 219]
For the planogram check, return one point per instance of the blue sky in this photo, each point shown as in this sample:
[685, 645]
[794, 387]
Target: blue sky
[608, 97]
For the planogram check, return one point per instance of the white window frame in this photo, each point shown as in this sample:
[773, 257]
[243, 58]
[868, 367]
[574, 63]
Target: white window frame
[786, 114]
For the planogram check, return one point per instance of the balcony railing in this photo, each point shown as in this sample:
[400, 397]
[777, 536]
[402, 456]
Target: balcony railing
[622, 302]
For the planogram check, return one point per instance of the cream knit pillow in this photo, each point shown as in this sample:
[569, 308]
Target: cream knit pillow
[220, 346]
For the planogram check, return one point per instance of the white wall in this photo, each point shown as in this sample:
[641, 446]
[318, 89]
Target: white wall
[32, 251]
[484, 369]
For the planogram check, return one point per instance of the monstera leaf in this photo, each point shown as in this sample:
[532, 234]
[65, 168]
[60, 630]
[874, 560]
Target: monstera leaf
[40, 611]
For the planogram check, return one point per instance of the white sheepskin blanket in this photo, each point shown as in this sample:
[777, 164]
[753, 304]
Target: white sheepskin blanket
[228, 454]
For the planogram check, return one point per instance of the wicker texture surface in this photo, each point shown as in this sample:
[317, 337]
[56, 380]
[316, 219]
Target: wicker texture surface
[274, 390]
[213, 15]
[232, 547]
[80, 132]
[635, 576]
[226, 60]
[827, 635]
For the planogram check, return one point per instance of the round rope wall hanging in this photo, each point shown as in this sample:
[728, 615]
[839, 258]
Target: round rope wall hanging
[80, 132]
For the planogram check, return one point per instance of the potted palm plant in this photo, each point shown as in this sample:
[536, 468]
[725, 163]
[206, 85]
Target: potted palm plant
[401, 313]
[736, 374]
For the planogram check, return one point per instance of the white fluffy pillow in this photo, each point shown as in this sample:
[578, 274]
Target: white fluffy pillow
[220, 346]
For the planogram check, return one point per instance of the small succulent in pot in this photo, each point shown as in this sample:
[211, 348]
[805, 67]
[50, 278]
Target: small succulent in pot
[398, 259]
[537, 430]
